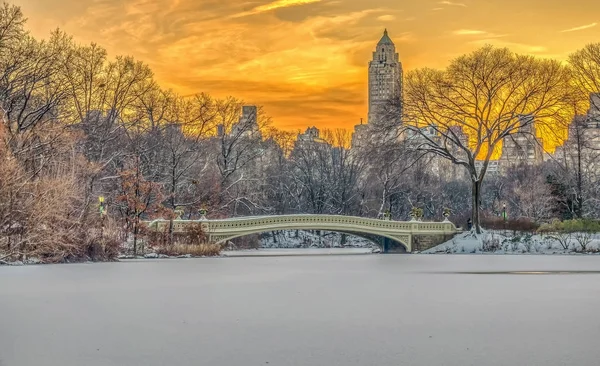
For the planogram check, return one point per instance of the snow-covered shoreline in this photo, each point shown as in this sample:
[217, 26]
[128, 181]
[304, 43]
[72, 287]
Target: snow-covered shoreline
[493, 242]
[501, 242]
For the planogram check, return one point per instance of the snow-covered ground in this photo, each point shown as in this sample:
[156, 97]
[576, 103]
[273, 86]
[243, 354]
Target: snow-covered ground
[307, 239]
[501, 242]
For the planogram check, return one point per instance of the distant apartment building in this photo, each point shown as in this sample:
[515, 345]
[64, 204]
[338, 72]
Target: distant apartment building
[583, 134]
[361, 136]
[493, 166]
[420, 134]
[594, 104]
[385, 78]
[524, 146]
[247, 125]
[310, 137]
[592, 122]
[384, 94]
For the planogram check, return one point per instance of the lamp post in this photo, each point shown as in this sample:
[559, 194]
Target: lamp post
[446, 213]
[102, 208]
[202, 213]
[504, 216]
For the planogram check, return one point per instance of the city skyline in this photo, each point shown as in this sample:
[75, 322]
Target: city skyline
[306, 61]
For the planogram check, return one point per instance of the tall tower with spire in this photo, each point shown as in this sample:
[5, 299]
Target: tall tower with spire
[385, 79]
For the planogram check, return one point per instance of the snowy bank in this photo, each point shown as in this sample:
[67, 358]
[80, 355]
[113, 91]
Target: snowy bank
[508, 242]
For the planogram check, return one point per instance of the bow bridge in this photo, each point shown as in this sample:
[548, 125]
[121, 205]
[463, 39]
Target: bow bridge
[403, 236]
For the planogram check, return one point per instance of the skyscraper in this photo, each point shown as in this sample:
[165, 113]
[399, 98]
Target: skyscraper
[385, 94]
[385, 79]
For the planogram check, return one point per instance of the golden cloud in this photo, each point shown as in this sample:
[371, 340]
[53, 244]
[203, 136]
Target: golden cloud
[587, 26]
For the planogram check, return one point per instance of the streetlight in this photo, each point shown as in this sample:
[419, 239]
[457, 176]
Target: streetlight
[101, 205]
[504, 216]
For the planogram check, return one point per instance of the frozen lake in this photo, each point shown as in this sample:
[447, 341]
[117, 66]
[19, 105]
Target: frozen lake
[304, 310]
[267, 252]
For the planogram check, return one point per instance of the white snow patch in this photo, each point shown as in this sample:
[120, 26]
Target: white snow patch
[310, 239]
[508, 242]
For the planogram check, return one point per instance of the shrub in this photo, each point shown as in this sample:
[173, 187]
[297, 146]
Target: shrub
[515, 225]
[193, 235]
[491, 244]
[513, 243]
[527, 242]
[549, 243]
[196, 250]
[581, 230]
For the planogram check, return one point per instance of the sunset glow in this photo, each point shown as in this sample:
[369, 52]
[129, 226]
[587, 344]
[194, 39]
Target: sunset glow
[306, 61]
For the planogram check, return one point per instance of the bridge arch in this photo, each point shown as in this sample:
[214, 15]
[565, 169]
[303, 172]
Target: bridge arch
[372, 236]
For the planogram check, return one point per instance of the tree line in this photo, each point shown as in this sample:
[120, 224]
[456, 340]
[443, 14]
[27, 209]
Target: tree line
[92, 146]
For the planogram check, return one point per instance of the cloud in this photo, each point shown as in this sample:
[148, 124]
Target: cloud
[304, 60]
[587, 26]
[452, 3]
[436, 9]
[468, 32]
[278, 4]
[476, 32]
[341, 24]
[386, 18]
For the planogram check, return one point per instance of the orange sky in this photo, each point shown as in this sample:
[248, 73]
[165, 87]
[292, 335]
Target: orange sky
[306, 61]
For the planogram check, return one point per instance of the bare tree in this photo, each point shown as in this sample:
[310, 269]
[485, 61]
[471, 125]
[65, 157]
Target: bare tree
[184, 146]
[576, 167]
[576, 163]
[32, 93]
[281, 190]
[12, 28]
[585, 65]
[388, 166]
[528, 193]
[346, 169]
[239, 141]
[483, 96]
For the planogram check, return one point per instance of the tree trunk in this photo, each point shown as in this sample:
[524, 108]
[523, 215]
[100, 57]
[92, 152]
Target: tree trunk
[135, 235]
[476, 197]
[137, 195]
[579, 198]
[172, 199]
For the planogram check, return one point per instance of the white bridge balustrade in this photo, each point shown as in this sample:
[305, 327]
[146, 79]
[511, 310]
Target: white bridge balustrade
[403, 232]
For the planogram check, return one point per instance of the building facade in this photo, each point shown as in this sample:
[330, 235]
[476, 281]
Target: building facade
[385, 80]
[247, 125]
[524, 146]
[384, 95]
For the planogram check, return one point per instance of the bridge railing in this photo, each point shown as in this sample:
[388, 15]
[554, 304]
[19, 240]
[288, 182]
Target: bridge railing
[240, 223]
